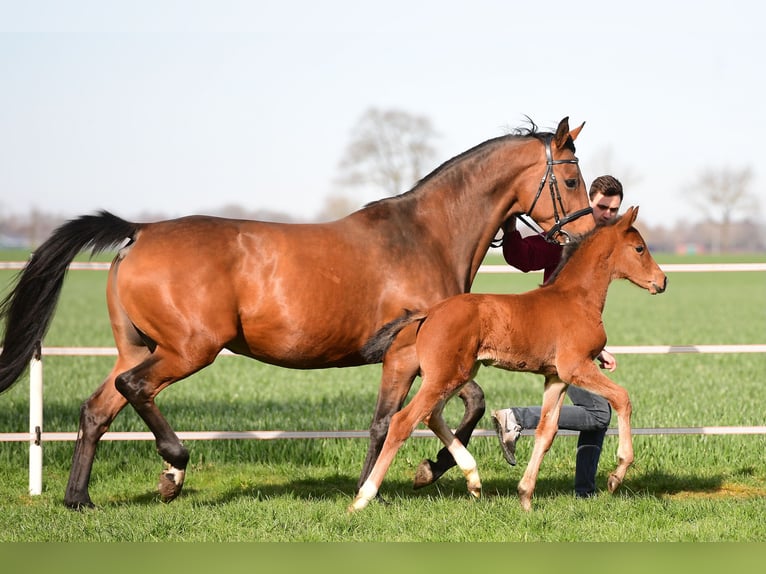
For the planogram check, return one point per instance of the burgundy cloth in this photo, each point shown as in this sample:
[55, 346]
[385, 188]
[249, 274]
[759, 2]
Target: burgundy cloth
[531, 253]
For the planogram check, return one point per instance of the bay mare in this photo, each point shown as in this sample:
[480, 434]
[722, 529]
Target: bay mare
[555, 330]
[303, 296]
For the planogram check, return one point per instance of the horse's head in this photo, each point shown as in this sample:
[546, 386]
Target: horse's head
[632, 260]
[560, 205]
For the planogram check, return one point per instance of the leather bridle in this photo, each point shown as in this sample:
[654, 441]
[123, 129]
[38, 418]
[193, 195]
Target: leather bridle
[559, 212]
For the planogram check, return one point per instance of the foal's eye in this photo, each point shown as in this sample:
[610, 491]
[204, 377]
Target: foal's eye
[571, 183]
[640, 249]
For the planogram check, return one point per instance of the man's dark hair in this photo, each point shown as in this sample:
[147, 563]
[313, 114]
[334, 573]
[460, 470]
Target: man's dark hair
[605, 185]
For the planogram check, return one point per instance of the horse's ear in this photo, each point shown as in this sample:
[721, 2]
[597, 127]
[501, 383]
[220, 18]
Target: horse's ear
[562, 133]
[576, 132]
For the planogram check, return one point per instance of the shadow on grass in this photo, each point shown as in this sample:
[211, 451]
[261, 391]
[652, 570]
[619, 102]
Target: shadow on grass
[342, 487]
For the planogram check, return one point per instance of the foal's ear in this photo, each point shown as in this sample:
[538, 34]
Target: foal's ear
[630, 217]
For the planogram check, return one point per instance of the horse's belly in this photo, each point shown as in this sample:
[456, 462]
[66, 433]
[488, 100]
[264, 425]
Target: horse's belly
[301, 349]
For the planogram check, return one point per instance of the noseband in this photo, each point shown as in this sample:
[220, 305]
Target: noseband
[561, 218]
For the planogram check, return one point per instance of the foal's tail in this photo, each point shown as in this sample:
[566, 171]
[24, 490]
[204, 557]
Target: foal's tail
[376, 346]
[28, 309]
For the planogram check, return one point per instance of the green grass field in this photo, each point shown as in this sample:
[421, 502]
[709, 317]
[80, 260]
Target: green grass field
[681, 488]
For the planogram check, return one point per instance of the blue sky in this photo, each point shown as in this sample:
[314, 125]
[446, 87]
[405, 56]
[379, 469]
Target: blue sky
[183, 107]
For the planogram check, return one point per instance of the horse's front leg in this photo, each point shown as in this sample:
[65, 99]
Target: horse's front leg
[400, 367]
[553, 398]
[430, 471]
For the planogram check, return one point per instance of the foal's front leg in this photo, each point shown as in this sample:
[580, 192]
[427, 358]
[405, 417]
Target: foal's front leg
[553, 397]
[595, 381]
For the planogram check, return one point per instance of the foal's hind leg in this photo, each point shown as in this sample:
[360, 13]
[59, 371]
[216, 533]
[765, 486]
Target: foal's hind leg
[401, 427]
[400, 368]
[456, 449]
[473, 399]
[140, 386]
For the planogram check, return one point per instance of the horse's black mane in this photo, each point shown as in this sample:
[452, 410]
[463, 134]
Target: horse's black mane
[516, 133]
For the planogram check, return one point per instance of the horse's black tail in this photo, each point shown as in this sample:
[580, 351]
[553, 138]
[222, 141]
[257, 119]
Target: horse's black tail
[28, 309]
[376, 346]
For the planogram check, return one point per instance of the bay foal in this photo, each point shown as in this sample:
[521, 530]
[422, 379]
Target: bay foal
[556, 331]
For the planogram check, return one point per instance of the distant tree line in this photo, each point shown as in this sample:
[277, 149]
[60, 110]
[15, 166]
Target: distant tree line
[389, 151]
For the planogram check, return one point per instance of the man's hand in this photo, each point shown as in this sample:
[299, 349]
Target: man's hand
[607, 361]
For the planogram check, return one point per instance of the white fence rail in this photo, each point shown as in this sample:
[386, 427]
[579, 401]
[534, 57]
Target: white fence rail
[36, 437]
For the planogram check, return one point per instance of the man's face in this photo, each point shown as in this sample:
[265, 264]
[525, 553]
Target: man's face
[605, 207]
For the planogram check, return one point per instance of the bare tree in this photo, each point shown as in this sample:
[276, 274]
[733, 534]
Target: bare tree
[721, 195]
[389, 150]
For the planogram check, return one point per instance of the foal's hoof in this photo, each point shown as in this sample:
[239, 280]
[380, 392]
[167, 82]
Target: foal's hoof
[171, 483]
[613, 483]
[424, 475]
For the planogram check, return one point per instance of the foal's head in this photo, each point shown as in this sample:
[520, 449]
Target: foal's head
[630, 256]
[621, 245]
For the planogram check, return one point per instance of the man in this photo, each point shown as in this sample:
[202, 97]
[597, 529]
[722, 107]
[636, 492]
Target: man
[589, 413]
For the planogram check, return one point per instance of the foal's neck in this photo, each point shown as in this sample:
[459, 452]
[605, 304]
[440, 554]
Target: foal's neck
[589, 272]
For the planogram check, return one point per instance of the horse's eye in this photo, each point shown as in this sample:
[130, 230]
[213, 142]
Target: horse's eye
[640, 249]
[571, 183]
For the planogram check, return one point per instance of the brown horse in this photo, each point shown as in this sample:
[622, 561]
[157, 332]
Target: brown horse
[459, 334]
[304, 296]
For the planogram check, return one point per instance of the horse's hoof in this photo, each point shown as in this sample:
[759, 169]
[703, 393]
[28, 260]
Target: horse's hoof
[613, 483]
[171, 483]
[475, 493]
[424, 475]
[79, 505]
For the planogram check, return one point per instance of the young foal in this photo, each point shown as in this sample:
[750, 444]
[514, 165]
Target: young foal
[556, 331]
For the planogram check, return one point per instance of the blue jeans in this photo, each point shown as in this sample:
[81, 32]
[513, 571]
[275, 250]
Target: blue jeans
[590, 414]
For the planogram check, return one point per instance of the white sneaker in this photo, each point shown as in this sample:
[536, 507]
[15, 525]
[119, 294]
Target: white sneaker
[508, 431]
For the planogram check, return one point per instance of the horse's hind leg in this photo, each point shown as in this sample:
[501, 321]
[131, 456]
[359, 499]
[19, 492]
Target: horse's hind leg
[430, 471]
[96, 414]
[140, 386]
[553, 397]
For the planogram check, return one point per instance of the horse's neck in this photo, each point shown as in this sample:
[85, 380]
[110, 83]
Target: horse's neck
[468, 205]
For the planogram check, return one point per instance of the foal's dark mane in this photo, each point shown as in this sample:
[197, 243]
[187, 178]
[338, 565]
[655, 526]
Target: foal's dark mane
[482, 148]
[573, 246]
